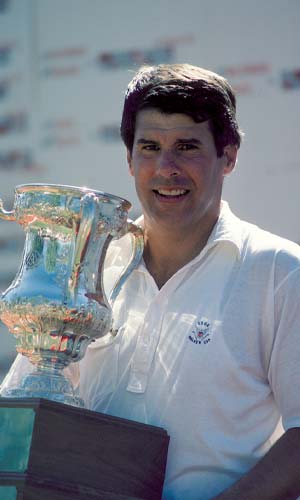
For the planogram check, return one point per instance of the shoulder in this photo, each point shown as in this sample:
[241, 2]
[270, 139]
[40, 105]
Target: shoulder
[257, 244]
[268, 251]
[259, 241]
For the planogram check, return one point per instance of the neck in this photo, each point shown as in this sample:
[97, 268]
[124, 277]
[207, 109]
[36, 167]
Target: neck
[167, 251]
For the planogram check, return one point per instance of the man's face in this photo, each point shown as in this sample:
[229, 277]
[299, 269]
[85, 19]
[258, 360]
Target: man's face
[178, 175]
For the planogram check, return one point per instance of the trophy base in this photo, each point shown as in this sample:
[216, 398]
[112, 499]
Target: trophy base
[47, 385]
[57, 452]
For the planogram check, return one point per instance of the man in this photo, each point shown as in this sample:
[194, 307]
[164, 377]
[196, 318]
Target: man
[207, 343]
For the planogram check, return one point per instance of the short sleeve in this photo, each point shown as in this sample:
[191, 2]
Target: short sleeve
[284, 367]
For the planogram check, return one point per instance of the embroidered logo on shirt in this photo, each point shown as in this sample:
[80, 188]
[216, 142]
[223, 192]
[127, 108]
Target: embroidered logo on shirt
[201, 332]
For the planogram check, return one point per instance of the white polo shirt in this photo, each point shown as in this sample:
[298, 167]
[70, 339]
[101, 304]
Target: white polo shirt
[213, 356]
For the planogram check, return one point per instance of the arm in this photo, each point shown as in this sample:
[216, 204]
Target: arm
[275, 477]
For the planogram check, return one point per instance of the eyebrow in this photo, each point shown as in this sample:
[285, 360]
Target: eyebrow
[190, 140]
[146, 141]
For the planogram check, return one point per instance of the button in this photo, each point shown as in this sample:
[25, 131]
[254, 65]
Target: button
[137, 382]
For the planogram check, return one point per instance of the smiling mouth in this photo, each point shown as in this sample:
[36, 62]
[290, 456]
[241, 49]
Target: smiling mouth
[171, 193]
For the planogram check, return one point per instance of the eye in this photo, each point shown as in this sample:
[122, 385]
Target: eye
[150, 147]
[187, 147]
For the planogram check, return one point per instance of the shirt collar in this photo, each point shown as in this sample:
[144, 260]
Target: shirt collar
[227, 228]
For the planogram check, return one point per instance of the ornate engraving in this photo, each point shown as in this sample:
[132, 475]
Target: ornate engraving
[56, 305]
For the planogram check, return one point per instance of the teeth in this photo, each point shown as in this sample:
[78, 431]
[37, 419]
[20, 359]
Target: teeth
[172, 192]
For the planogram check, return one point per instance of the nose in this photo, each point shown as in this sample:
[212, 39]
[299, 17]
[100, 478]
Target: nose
[167, 165]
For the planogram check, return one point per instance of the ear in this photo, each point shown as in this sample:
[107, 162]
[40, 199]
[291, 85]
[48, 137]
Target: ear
[129, 161]
[230, 157]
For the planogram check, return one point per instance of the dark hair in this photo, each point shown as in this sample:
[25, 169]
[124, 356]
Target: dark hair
[182, 88]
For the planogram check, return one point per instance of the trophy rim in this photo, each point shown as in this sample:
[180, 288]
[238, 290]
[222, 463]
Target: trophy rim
[72, 189]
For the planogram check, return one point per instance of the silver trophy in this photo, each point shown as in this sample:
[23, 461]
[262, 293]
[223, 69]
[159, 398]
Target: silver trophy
[56, 305]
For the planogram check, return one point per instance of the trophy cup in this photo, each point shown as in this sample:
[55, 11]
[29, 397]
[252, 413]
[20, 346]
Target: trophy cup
[55, 307]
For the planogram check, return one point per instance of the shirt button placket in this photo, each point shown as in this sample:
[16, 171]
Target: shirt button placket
[146, 344]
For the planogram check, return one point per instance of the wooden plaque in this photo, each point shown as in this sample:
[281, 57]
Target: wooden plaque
[53, 451]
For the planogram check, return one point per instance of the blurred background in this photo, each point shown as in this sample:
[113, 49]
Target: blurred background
[64, 68]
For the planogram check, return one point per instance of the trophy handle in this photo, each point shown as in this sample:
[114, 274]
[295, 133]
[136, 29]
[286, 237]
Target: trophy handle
[87, 215]
[6, 215]
[137, 252]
